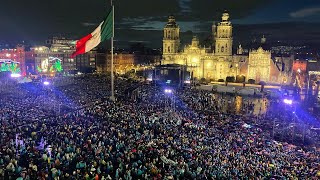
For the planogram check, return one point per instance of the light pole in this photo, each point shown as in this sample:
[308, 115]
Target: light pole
[169, 92]
[273, 126]
[303, 132]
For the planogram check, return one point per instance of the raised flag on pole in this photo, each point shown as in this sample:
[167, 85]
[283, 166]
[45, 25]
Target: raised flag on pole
[102, 32]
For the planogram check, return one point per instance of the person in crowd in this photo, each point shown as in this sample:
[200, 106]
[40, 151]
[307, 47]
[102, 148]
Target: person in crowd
[71, 131]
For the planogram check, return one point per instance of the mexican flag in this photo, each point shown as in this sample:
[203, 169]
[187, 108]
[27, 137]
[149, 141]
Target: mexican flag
[102, 32]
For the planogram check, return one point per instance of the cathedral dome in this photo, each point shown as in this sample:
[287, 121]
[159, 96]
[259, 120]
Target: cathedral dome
[195, 41]
[195, 38]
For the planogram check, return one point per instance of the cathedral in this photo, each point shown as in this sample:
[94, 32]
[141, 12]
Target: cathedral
[218, 62]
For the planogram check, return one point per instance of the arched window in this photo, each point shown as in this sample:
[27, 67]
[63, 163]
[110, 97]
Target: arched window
[168, 49]
[222, 49]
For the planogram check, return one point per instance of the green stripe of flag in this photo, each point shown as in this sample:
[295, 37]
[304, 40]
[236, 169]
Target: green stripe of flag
[107, 27]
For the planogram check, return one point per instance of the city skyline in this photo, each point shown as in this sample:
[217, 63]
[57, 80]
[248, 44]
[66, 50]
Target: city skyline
[38, 20]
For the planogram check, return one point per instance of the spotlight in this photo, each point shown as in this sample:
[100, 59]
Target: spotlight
[46, 83]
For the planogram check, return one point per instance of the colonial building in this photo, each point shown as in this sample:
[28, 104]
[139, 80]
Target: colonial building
[15, 56]
[125, 62]
[218, 61]
[60, 49]
[259, 65]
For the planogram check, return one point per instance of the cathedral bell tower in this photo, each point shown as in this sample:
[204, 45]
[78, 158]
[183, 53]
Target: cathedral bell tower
[171, 37]
[223, 36]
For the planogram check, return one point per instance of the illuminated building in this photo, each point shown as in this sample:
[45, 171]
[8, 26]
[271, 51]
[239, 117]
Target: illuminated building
[87, 62]
[101, 62]
[122, 62]
[201, 61]
[125, 62]
[59, 50]
[259, 65]
[30, 62]
[299, 72]
[62, 48]
[17, 56]
[41, 54]
[219, 62]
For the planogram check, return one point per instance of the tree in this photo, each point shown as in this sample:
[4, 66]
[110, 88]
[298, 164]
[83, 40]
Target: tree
[203, 81]
[262, 83]
[230, 79]
[251, 81]
[240, 79]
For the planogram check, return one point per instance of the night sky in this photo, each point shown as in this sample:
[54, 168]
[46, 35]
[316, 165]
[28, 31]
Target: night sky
[36, 20]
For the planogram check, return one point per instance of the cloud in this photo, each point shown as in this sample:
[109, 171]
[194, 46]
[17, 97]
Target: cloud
[185, 6]
[305, 12]
[145, 8]
[88, 24]
[205, 10]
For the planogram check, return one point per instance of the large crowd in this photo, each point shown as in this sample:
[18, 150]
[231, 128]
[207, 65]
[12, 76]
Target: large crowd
[70, 130]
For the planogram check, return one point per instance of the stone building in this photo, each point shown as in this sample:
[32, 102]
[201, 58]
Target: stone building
[16, 56]
[218, 61]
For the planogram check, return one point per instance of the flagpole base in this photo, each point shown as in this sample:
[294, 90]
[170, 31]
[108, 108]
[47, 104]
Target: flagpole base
[112, 98]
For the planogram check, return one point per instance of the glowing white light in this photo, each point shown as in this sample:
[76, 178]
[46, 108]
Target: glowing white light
[187, 81]
[8, 55]
[168, 91]
[46, 83]
[287, 101]
[15, 75]
[149, 79]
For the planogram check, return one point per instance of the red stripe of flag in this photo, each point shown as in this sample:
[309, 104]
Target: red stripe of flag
[81, 45]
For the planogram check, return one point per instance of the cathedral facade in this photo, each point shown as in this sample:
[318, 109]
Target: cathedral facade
[219, 62]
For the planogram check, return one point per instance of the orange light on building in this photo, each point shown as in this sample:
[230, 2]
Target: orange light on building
[299, 66]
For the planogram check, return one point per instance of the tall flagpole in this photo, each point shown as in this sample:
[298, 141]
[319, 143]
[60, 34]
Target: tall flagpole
[112, 75]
